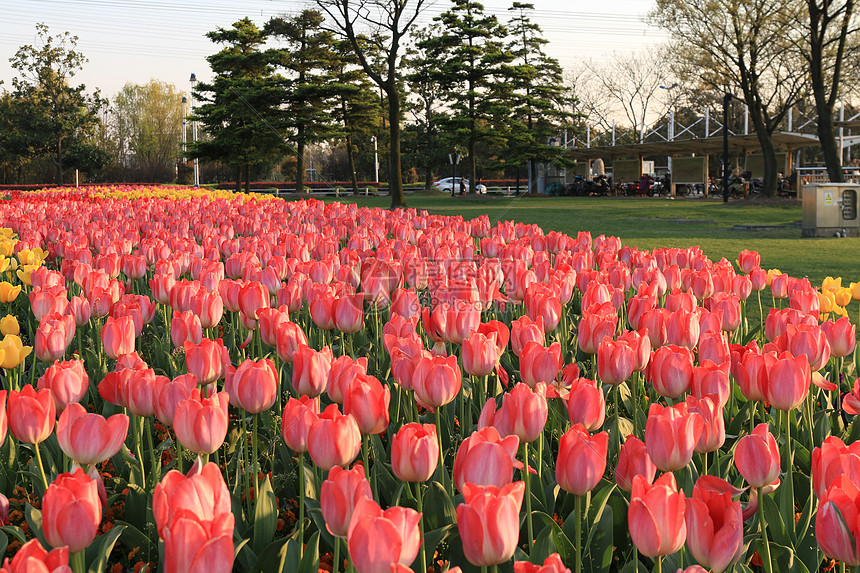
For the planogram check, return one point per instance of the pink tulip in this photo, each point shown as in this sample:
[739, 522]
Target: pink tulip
[656, 516]
[489, 522]
[90, 438]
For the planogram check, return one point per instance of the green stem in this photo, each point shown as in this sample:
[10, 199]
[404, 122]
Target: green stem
[422, 556]
[302, 506]
[335, 564]
[365, 456]
[149, 442]
[578, 562]
[768, 567]
[41, 466]
[441, 451]
[658, 568]
[528, 480]
[254, 468]
[180, 453]
[617, 432]
[246, 473]
[78, 561]
[138, 423]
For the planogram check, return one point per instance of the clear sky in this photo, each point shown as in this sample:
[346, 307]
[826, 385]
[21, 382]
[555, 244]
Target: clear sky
[136, 40]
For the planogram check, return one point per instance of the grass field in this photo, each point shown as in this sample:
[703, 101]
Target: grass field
[647, 223]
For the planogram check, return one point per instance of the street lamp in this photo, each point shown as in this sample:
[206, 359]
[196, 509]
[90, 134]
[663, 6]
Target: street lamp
[375, 159]
[671, 129]
[454, 158]
[184, 122]
[193, 81]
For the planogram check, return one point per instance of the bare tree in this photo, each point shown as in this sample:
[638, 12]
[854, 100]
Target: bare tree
[740, 44]
[387, 22]
[631, 82]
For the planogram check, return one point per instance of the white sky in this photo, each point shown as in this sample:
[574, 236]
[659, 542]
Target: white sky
[136, 40]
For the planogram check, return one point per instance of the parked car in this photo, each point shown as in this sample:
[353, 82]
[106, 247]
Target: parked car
[444, 185]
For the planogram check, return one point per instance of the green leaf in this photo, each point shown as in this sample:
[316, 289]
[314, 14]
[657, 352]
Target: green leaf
[15, 532]
[433, 538]
[544, 545]
[100, 550]
[598, 550]
[775, 524]
[136, 506]
[34, 520]
[270, 559]
[4, 542]
[265, 517]
[438, 508]
[289, 556]
[311, 559]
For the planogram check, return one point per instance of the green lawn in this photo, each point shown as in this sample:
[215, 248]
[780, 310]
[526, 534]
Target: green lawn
[647, 223]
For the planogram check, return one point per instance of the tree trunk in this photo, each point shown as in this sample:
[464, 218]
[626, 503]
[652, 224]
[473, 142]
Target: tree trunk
[532, 175]
[428, 177]
[300, 159]
[395, 176]
[238, 173]
[350, 158]
[768, 151]
[829, 146]
[247, 178]
[60, 162]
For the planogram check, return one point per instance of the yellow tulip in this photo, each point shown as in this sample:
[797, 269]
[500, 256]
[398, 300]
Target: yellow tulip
[843, 296]
[7, 247]
[8, 292]
[4, 264]
[24, 273]
[826, 302]
[6, 233]
[772, 273]
[9, 325]
[31, 257]
[855, 291]
[840, 311]
[829, 283]
[13, 351]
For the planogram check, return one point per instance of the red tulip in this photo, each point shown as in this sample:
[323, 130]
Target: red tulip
[379, 540]
[581, 460]
[367, 401]
[208, 360]
[788, 382]
[641, 345]
[348, 313]
[253, 296]
[711, 379]
[253, 386]
[552, 564]
[118, 336]
[161, 284]
[748, 260]
[321, 306]
[633, 460]
[81, 309]
[53, 336]
[208, 307]
[311, 370]
[615, 361]
[480, 354]
[523, 413]
[436, 380]
[682, 329]
[713, 433]
[523, 331]
[484, 458]
[540, 364]
[333, 439]
[414, 452]
[339, 495]
[90, 438]
[269, 320]
[715, 528]
[31, 414]
[593, 328]
[185, 326]
[671, 434]
[809, 340]
[836, 522]
[299, 416]
[501, 330]
[833, 459]
[68, 382]
[169, 395]
[32, 558]
[714, 346]
[489, 522]
[4, 420]
[757, 457]
[842, 336]
[586, 404]
[654, 323]
[201, 423]
[71, 511]
[137, 390]
[656, 516]
[194, 519]
[290, 337]
[671, 370]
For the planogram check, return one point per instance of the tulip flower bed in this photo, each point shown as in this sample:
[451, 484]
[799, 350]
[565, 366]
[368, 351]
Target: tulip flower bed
[213, 382]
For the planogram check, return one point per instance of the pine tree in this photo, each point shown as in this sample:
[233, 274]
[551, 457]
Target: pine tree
[306, 57]
[471, 60]
[536, 95]
[240, 111]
